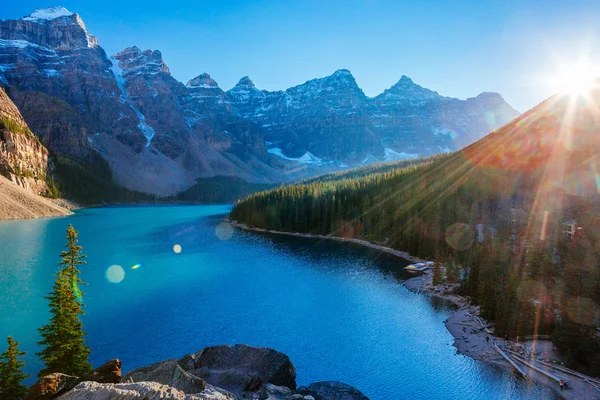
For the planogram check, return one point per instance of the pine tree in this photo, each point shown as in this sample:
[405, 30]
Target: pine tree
[65, 350]
[11, 374]
[452, 272]
[437, 274]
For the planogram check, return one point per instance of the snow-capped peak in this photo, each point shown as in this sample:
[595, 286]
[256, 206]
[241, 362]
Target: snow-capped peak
[203, 80]
[407, 89]
[48, 13]
[245, 82]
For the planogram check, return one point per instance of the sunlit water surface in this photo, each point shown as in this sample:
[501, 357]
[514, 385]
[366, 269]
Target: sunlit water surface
[340, 312]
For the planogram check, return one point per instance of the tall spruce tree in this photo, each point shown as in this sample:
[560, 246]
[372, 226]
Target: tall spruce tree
[65, 350]
[11, 373]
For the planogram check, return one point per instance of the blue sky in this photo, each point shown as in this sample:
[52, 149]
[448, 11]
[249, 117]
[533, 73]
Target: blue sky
[458, 48]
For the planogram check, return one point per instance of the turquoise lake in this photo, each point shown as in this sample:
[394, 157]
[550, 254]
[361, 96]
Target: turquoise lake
[339, 311]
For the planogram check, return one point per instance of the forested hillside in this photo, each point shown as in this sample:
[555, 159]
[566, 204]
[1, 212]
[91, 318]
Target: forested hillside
[518, 213]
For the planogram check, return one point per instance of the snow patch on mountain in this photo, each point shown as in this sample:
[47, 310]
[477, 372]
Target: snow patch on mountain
[22, 44]
[48, 13]
[391, 155]
[146, 129]
[308, 158]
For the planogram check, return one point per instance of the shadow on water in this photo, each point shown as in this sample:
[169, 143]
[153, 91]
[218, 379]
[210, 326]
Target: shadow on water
[195, 235]
[315, 250]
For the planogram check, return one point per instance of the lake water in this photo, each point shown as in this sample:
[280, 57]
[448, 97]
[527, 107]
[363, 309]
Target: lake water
[339, 311]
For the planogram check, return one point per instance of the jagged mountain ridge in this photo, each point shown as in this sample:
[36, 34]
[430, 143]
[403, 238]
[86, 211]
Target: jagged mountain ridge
[332, 118]
[159, 135]
[127, 109]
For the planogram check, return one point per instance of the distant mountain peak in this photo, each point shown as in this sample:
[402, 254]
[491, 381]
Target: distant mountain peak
[48, 13]
[246, 82]
[147, 61]
[342, 72]
[203, 80]
[406, 88]
[489, 95]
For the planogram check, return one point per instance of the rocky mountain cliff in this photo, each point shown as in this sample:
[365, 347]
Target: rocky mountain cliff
[23, 159]
[159, 136]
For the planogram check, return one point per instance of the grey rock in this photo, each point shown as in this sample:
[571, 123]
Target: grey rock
[168, 373]
[139, 391]
[331, 390]
[273, 392]
[243, 368]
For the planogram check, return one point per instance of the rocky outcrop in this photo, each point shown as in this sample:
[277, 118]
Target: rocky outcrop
[51, 386]
[331, 390]
[168, 373]
[23, 158]
[109, 372]
[243, 368]
[215, 373]
[138, 391]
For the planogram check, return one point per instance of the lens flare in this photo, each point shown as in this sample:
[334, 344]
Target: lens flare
[115, 274]
[459, 236]
[575, 79]
[136, 266]
[224, 231]
[76, 292]
[177, 249]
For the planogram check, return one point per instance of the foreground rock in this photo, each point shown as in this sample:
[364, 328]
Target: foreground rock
[110, 372]
[237, 372]
[53, 385]
[333, 391]
[242, 368]
[168, 373]
[138, 391]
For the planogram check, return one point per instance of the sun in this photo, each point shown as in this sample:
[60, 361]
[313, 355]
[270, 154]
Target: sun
[576, 79]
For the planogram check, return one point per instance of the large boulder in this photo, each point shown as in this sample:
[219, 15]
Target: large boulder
[139, 391]
[331, 390]
[109, 372]
[168, 373]
[243, 368]
[50, 386]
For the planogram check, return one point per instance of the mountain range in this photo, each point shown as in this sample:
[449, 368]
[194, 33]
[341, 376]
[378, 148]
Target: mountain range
[127, 116]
